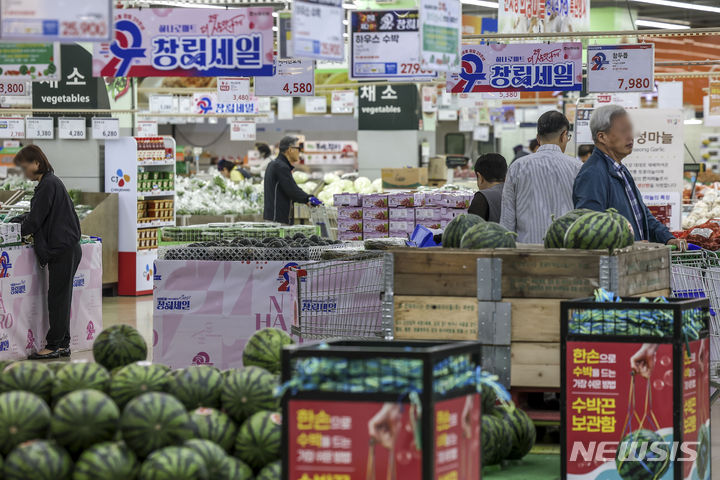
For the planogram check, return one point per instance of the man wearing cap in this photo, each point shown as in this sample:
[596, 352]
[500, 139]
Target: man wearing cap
[280, 187]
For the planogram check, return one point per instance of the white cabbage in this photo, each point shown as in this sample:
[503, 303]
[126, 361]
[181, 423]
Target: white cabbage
[300, 177]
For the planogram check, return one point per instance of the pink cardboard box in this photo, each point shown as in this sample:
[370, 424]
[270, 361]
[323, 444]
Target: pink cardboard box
[423, 214]
[346, 199]
[350, 225]
[372, 225]
[401, 199]
[406, 214]
[436, 199]
[368, 235]
[375, 200]
[355, 213]
[349, 236]
[458, 200]
[401, 227]
[431, 224]
[375, 212]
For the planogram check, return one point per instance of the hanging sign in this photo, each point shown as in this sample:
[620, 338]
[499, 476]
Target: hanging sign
[161, 103]
[388, 107]
[342, 101]
[440, 31]
[185, 42]
[14, 88]
[242, 130]
[293, 77]
[284, 22]
[12, 127]
[447, 115]
[285, 108]
[316, 105]
[55, 20]
[233, 90]
[429, 99]
[538, 16]
[264, 104]
[205, 103]
[30, 61]
[39, 128]
[527, 67]
[481, 133]
[147, 128]
[386, 44]
[71, 128]
[106, 128]
[76, 89]
[317, 29]
[714, 97]
[621, 68]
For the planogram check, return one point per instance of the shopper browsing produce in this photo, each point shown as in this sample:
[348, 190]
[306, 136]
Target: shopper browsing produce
[280, 187]
[55, 228]
[584, 152]
[265, 159]
[490, 170]
[604, 182]
[539, 186]
[231, 171]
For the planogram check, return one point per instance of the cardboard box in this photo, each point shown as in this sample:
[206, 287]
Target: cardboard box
[402, 214]
[372, 225]
[432, 224]
[437, 170]
[424, 214]
[375, 213]
[404, 177]
[346, 199]
[401, 199]
[379, 200]
[349, 236]
[354, 213]
[350, 225]
[368, 235]
[436, 199]
[401, 227]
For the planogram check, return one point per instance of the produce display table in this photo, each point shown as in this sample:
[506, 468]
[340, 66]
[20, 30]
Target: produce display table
[23, 301]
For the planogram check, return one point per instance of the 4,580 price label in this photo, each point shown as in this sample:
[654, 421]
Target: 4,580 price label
[293, 77]
[295, 87]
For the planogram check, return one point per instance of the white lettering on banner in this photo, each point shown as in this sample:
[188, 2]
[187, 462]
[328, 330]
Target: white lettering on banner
[71, 128]
[621, 68]
[106, 128]
[39, 128]
[12, 127]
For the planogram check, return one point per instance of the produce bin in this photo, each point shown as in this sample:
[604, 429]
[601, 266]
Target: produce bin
[420, 400]
[635, 379]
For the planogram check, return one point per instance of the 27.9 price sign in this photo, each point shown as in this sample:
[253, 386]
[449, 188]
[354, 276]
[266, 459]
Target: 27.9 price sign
[621, 68]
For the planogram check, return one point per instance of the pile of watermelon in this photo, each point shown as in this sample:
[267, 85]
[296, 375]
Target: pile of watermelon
[507, 431]
[471, 231]
[124, 418]
[590, 230]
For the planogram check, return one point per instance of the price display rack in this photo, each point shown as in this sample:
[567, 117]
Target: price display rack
[141, 170]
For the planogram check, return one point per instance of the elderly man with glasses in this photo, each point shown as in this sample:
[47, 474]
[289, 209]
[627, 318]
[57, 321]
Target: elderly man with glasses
[604, 182]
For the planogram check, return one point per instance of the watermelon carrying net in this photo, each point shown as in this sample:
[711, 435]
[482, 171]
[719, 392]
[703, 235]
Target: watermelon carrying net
[246, 254]
[213, 232]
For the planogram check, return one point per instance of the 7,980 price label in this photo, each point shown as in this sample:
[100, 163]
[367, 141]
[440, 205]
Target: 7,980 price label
[621, 68]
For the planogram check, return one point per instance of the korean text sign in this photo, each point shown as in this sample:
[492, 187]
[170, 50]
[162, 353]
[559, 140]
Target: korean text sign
[55, 20]
[388, 107]
[317, 29]
[538, 16]
[440, 34]
[532, 67]
[386, 44]
[621, 68]
[188, 43]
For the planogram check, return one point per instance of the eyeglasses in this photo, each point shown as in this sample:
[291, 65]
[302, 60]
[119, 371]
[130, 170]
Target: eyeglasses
[297, 148]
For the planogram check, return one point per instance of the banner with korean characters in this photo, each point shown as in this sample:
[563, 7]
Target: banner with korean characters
[540, 16]
[531, 67]
[388, 107]
[293, 77]
[55, 20]
[621, 68]
[30, 61]
[385, 44]
[440, 34]
[188, 42]
[205, 103]
[317, 30]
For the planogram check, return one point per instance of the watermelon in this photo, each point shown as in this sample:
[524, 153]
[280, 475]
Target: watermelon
[627, 236]
[214, 457]
[457, 227]
[505, 435]
[490, 440]
[258, 441]
[632, 446]
[248, 391]
[488, 235]
[107, 461]
[555, 235]
[214, 425]
[80, 376]
[154, 420]
[23, 416]
[489, 398]
[264, 349]
[83, 418]
[174, 463]
[196, 386]
[238, 470]
[38, 460]
[118, 346]
[55, 366]
[704, 452]
[272, 471]
[521, 427]
[594, 231]
[28, 376]
[135, 379]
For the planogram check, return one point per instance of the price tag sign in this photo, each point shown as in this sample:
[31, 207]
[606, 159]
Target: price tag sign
[317, 29]
[233, 90]
[106, 128]
[161, 103]
[147, 128]
[342, 101]
[71, 128]
[499, 95]
[621, 68]
[285, 108]
[481, 133]
[293, 77]
[38, 128]
[242, 130]
[12, 127]
[14, 88]
[315, 105]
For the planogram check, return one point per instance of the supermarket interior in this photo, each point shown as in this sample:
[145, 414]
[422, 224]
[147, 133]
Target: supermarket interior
[359, 239]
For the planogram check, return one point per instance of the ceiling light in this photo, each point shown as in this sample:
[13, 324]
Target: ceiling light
[480, 3]
[685, 5]
[653, 24]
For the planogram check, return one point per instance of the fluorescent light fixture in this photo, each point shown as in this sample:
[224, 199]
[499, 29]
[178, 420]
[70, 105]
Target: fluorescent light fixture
[480, 3]
[685, 5]
[653, 24]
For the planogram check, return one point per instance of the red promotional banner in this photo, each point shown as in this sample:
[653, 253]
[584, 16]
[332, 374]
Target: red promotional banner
[457, 438]
[696, 408]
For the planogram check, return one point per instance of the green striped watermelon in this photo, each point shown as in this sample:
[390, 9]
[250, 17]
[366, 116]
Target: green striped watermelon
[154, 420]
[490, 440]
[174, 463]
[594, 231]
[215, 458]
[650, 467]
[55, 366]
[264, 349]
[23, 416]
[521, 427]
[506, 438]
[196, 386]
[488, 235]
[28, 376]
[214, 425]
[555, 235]
[453, 233]
[258, 441]
[118, 346]
[135, 379]
[627, 236]
[79, 376]
[107, 461]
[272, 471]
[489, 399]
[38, 460]
[83, 418]
[239, 470]
[249, 391]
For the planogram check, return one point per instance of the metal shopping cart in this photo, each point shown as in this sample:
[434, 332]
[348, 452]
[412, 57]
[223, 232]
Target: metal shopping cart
[327, 219]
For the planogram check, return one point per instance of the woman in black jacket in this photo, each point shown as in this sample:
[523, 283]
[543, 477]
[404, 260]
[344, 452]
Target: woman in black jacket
[55, 228]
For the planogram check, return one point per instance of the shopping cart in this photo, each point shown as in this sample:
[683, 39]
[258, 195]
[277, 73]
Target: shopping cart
[327, 219]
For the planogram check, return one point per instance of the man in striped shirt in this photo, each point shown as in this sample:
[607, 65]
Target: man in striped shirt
[538, 187]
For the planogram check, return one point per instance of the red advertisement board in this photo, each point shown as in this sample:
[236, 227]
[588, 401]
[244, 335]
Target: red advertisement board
[614, 390]
[341, 440]
[696, 408]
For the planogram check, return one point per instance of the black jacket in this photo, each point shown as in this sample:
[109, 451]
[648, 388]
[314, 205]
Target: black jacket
[281, 190]
[52, 220]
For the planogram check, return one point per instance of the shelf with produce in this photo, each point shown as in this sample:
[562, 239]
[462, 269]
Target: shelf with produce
[156, 224]
[159, 193]
[156, 163]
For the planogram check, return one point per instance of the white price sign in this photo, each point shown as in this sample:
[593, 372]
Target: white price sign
[285, 108]
[147, 128]
[233, 90]
[161, 103]
[242, 130]
[481, 133]
[71, 128]
[317, 29]
[621, 68]
[14, 88]
[293, 77]
[499, 95]
[12, 127]
[106, 128]
[40, 128]
[342, 101]
[315, 105]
